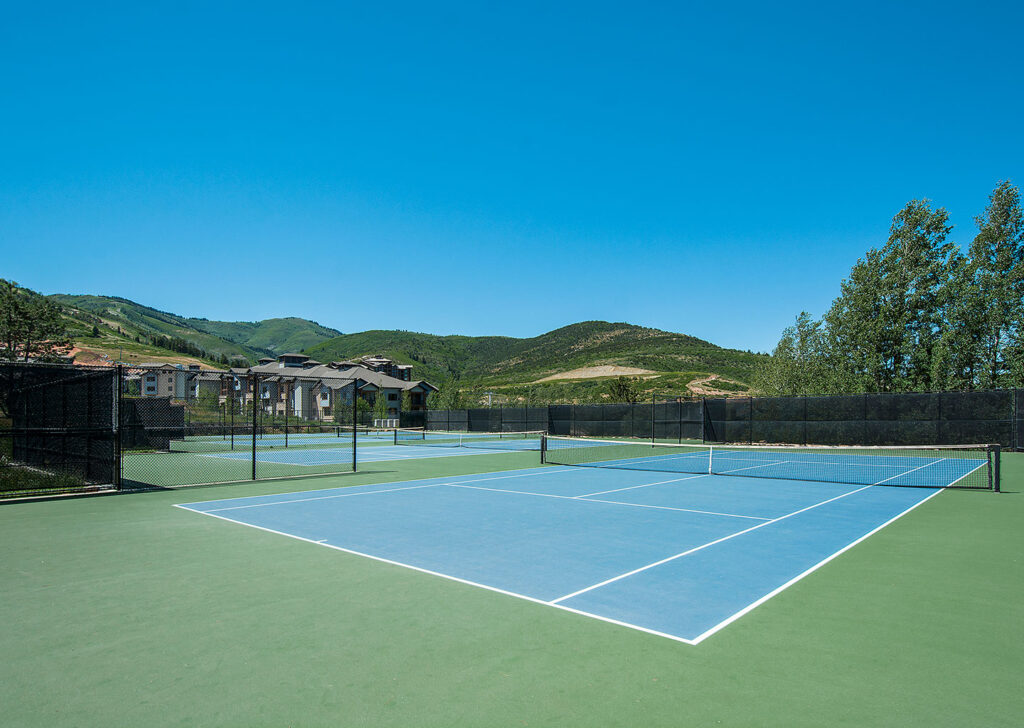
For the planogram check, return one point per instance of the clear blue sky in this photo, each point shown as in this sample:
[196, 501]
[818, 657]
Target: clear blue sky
[499, 170]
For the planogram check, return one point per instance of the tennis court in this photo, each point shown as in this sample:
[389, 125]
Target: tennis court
[657, 542]
[312, 457]
[141, 603]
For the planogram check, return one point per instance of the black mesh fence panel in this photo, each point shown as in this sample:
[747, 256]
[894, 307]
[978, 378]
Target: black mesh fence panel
[588, 420]
[911, 418]
[437, 419]
[484, 419]
[537, 419]
[58, 429]
[560, 419]
[415, 418]
[1019, 396]
[978, 417]
[737, 420]
[512, 419]
[458, 420]
[714, 420]
[678, 420]
[666, 423]
[778, 419]
[642, 416]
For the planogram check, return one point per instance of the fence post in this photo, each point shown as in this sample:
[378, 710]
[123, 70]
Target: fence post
[864, 419]
[355, 429]
[653, 420]
[938, 419]
[255, 415]
[750, 419]
[118, 442]
[805, 419]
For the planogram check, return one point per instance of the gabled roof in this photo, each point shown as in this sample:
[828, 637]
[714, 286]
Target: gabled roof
[424, 384]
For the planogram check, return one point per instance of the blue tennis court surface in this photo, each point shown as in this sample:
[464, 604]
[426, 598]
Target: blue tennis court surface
[678, 555]
[329, 455]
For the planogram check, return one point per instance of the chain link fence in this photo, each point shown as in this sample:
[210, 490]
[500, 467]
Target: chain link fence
[183, 427]
[70, 429]
[933, 418]
[58, 429]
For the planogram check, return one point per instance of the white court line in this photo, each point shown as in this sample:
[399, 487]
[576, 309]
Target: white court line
[644, 485]
[674, 508]
[909, 471]
[596, 500]
[704, 546]
[751, 467]
[980, 465]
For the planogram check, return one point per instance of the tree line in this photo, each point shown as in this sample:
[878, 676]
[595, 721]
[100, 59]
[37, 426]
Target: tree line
[918, 313]
[31, 326]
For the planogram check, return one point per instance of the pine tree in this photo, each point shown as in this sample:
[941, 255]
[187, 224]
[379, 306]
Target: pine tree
[997, 253]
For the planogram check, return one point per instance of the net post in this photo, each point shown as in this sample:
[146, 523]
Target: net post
[996, 457]
[543, 449]
[711, 458]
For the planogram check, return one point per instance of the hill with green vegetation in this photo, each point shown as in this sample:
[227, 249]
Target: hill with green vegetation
[576, 363]
[123, 330]
[573, 363]
[274, 336]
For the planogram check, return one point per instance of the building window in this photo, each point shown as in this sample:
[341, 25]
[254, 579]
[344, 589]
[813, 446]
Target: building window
[392, 397]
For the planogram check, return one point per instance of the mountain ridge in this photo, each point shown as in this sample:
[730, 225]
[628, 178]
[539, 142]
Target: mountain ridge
[516, 365]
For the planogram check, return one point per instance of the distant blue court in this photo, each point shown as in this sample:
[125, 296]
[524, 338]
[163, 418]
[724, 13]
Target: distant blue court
[315, 456]
[677, 555]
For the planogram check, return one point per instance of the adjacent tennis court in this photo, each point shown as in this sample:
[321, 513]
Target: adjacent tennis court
[312, 457]
[678, 554]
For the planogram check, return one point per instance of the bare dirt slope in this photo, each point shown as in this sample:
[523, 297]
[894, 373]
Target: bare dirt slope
[603, 370]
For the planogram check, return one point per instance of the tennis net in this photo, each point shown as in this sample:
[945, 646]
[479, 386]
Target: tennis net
[945, 466]
[529, 440]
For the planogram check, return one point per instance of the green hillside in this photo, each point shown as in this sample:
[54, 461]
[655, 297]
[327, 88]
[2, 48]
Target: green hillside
[129, 331]
[574, 363]
[276, 335]
[512, 367]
